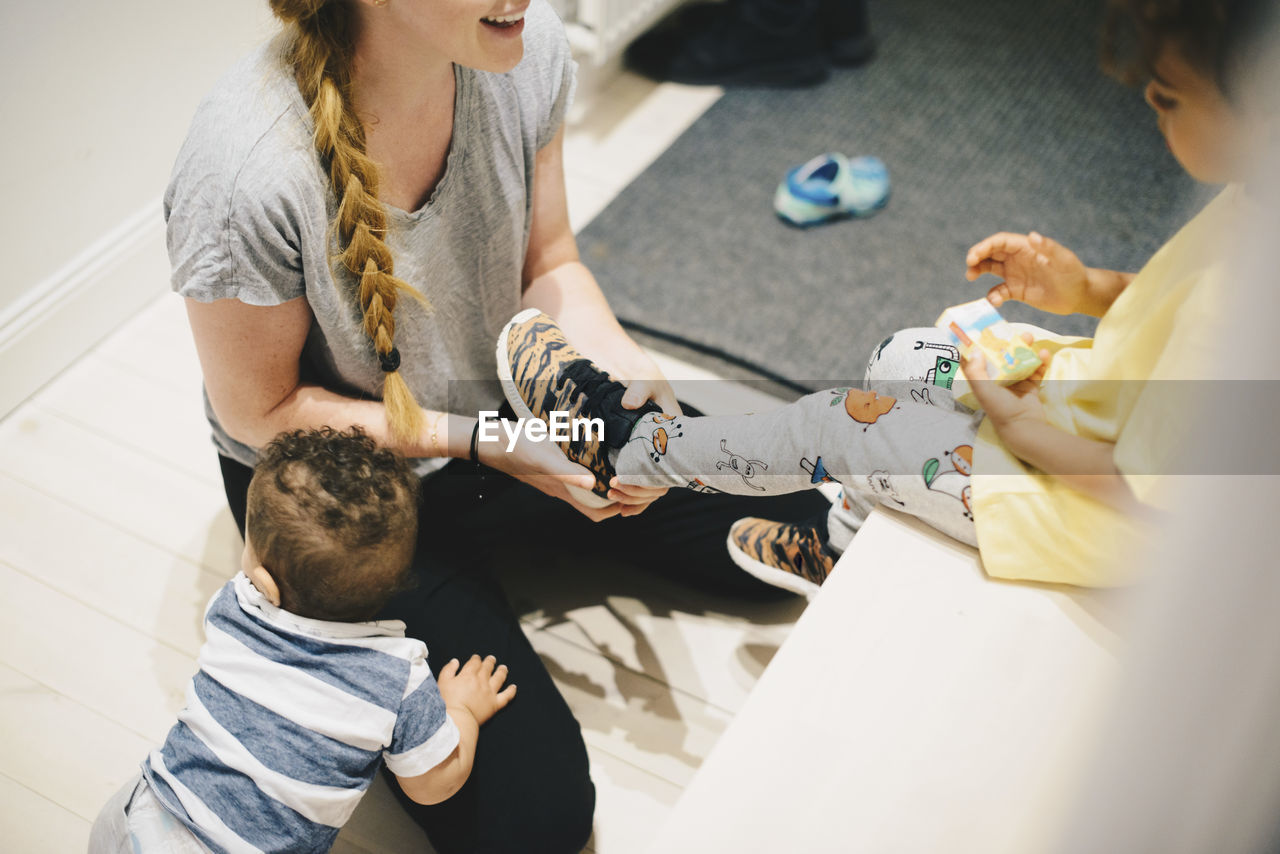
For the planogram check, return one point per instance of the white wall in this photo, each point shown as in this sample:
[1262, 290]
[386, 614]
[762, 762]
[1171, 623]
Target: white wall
[97, 97]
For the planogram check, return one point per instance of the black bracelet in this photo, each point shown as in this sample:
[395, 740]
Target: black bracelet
[475, 442]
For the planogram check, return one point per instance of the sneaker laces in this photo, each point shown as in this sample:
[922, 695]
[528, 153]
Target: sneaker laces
[596, 388]
[589, 382]
[592, 386]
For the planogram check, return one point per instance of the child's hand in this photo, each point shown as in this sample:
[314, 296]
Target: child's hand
[477, 686]
[1009, 405]
[632, 498]
[1036, 270]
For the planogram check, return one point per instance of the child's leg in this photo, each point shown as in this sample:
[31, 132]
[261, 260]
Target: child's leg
[134, 822]
[909, 455]
[917, 364]
[908, 447]
[110, 831]
[920, 365]
[913, 453]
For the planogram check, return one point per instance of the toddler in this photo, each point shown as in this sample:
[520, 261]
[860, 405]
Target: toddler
[299, 698]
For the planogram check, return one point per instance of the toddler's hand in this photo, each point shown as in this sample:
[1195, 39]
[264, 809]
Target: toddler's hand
[1007, 405]
[1036, 270]
[476, 686]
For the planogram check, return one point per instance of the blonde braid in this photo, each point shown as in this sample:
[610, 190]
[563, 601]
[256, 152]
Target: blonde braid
[319, 52]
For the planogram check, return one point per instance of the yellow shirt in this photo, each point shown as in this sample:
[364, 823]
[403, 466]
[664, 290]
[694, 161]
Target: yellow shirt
[1163, 326]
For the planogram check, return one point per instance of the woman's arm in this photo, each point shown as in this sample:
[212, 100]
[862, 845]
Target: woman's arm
[557, 282]
[250, 357]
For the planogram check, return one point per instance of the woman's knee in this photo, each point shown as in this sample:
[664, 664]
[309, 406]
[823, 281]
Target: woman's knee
[513, 814]
[555, 809]
[556, 822]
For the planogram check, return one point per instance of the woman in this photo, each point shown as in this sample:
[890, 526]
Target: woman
[358, 209]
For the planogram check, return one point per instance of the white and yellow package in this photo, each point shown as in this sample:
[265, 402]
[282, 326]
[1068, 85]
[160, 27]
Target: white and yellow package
[978, 325]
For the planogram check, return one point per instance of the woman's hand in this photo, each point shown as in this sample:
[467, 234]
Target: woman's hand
[1036, 270]
[644, 381]
[636, 499]
[544, 466]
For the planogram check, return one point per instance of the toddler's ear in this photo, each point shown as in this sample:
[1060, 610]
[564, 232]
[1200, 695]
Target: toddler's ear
[265, 583]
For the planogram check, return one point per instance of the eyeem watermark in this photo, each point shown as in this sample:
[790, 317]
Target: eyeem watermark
[558, 428]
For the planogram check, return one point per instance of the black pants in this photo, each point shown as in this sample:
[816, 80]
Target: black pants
[530, 790]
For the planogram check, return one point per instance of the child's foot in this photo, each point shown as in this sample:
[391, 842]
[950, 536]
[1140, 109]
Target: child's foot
[542, 373]
[794, 557]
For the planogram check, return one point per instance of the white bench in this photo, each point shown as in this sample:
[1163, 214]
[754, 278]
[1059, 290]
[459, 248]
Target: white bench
[917, 706]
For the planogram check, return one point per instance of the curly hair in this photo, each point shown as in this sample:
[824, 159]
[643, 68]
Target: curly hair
[318, 39]
[334, 519]
[1215, 37]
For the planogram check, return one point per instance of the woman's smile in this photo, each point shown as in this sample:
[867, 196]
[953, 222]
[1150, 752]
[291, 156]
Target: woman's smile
[508, 24]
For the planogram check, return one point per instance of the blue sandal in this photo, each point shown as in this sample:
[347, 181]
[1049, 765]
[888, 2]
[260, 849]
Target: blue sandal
[831, 186]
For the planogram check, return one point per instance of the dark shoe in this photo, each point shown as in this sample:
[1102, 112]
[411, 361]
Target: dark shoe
[793, 557]
[755, 42]
[542, 374]
[847, 31]
[734, 44]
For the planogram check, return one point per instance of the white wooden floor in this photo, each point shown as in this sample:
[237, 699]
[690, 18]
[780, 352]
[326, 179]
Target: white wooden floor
[114, 532]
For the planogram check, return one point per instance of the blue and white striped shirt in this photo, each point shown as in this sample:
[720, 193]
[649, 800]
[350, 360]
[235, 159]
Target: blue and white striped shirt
[286, 723]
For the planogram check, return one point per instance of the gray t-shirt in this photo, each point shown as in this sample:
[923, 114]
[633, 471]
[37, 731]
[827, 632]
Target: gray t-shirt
[249, 211]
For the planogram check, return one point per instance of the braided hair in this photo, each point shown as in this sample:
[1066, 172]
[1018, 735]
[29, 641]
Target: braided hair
[318, 49]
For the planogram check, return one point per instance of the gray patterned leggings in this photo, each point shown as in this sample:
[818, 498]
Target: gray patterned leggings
[904, 442]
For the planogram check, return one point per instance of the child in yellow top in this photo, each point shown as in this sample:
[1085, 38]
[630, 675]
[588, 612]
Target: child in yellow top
[1108, 420]
[1048, 477]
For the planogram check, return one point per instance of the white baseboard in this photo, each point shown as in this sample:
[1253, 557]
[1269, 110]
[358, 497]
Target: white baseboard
[66, 315]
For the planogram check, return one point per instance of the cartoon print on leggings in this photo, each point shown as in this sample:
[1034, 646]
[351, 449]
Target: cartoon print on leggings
[881, 483]
[944, 370]
[741, 466]
[864, 407]
[875, 357]
[953, 481]
[665, 428]
[817, 470]
[697, 485]
[921, 395]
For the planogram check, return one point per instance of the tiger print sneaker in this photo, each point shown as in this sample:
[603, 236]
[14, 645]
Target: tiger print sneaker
[795, 557]
[542, 374]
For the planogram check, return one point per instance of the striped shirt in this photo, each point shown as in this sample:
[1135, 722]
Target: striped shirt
[286, 723]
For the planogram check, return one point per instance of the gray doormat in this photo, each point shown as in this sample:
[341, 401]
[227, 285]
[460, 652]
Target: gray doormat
[990, 116]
